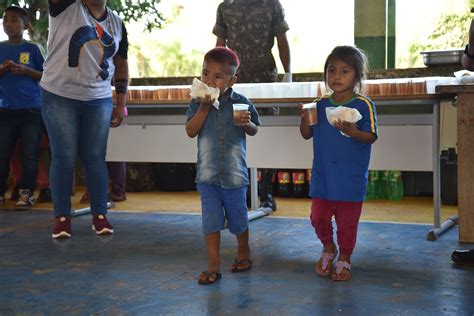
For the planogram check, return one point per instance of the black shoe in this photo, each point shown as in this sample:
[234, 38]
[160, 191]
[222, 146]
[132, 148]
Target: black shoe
[266, 189]
[26, 199]
[15, 194]
[44, 196]
[270, 204]
[463, 257]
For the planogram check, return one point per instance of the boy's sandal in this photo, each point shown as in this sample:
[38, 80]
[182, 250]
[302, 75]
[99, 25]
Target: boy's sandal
[241, 265]
[210, 277]
[324, 264]
[341, 266]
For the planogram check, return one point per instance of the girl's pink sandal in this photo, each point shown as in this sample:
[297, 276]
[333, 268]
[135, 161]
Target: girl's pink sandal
[337, 274]
[324, 264]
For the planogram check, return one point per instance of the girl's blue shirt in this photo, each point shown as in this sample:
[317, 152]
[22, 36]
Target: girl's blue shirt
[340, 163]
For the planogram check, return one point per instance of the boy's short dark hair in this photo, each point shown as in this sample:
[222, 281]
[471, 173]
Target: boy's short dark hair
[21, 12]
[223, 55]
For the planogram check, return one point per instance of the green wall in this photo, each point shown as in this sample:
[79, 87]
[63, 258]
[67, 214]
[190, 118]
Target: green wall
[374, 31]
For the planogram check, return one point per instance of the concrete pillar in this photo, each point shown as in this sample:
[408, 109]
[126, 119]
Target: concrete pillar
[374, 31]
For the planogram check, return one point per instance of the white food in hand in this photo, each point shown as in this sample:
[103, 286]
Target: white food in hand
[199, 90]
[342, 113]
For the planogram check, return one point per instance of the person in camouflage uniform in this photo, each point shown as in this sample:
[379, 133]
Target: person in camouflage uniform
[249, 28]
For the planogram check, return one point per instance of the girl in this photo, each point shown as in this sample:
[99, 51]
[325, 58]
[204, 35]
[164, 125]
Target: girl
[340, 163]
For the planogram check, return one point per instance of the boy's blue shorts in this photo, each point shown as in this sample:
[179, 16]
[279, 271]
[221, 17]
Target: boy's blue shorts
[219, 204]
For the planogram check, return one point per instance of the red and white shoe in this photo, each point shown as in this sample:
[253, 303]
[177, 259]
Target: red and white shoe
[101, 225]
[62, 227]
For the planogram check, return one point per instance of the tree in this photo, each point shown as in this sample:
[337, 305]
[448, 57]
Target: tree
[129, 10]
[451, 32]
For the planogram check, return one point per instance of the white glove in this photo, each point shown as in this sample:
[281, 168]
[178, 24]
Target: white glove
[287, 77]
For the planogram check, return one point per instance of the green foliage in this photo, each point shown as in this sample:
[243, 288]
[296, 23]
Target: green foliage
[176, 63]
[129, 10]
[168, 60]
[451, 32]
[139, 10]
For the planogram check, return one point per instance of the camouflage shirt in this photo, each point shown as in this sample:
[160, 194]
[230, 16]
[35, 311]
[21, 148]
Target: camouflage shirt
[249, 28]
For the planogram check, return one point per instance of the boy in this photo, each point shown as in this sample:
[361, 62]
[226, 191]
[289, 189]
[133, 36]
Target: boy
[222, 176]
[21, 67]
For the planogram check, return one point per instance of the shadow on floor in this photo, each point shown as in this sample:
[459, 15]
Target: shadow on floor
[150, 266]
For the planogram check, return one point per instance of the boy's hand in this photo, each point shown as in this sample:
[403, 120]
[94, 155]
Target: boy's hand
[245, 119]
[206, 102]
[7, 64]
[347, 128]
[19, 69]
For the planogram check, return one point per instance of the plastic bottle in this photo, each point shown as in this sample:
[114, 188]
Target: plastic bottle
[384, 184]
[395, 192]
[259, 180]
[284, 183]
[372, 186]
[299, 184]
[308, 182]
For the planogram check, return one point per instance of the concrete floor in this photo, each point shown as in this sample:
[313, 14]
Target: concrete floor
[150, 266]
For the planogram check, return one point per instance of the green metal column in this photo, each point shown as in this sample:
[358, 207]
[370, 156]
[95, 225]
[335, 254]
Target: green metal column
[374, 31]
[391, 27]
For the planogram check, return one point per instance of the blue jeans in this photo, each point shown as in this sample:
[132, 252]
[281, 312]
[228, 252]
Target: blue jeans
[77, 128]
[219, 204]
[26, 125]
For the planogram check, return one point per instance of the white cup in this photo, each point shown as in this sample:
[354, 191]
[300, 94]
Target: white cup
[239, 110]
[311, 113]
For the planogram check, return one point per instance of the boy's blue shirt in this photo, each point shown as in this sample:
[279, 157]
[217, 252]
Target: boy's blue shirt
[340, 163]
[20, 92]
[221, 145]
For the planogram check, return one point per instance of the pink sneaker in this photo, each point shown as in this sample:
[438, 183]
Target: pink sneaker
[62, 227]
[101, 225]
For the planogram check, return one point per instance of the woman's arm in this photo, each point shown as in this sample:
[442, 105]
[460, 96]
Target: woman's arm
[121, 86]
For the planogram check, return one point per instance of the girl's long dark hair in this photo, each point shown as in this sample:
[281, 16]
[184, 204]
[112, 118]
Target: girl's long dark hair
[354, 57]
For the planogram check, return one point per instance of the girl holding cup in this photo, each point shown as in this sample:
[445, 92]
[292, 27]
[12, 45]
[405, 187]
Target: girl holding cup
[340, 164]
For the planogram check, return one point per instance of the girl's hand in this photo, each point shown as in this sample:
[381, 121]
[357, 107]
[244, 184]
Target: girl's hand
[245, 119]
[302, 113]
[350, 129]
